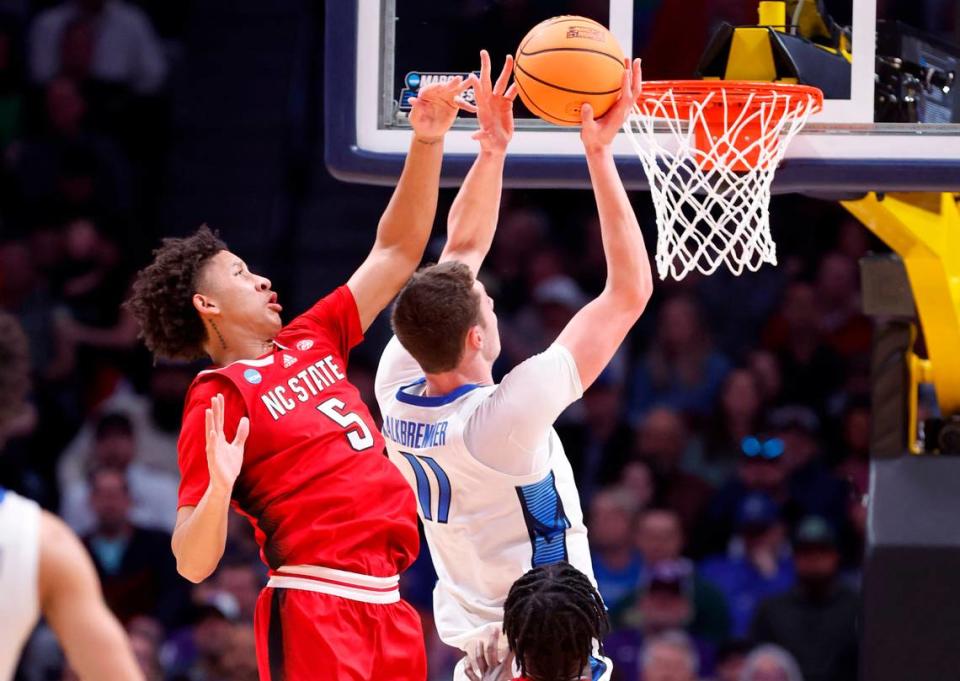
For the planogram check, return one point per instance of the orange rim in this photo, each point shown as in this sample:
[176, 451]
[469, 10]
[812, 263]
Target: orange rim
[736, 92]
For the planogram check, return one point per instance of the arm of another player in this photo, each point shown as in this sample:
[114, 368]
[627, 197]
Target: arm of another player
[200, 536]
[473, 215]
[71, 602]
[408, 220]
[596, 331]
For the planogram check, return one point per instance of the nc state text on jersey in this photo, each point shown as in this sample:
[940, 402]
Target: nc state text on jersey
[310, 381]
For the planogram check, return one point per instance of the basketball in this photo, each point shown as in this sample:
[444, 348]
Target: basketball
[564, 62]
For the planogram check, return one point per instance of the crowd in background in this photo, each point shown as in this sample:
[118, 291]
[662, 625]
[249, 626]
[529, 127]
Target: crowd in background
[722, 458]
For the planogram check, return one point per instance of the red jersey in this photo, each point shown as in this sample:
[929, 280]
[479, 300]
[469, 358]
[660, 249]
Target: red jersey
[315, 482]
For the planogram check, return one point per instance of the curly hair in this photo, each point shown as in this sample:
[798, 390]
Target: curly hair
[162, 298]
[552, 617]
[14, 368]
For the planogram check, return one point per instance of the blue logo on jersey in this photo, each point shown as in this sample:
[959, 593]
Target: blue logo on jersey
[252, 376]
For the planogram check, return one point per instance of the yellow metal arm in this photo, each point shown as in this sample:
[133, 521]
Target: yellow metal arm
[924, 229]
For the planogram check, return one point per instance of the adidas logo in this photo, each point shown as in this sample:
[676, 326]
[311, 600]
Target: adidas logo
[289, 361]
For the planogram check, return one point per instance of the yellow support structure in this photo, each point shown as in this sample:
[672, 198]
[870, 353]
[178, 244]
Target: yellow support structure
[924, 229]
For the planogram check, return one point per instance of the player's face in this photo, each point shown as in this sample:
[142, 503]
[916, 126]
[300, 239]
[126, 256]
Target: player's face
[242, 298]
[488, 320]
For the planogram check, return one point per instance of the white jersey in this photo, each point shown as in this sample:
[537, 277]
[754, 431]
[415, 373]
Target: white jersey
[19, 558]
[495, 490]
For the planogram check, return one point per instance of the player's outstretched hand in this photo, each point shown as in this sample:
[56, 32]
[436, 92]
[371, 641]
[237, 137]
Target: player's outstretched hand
[435, 107]
[600, 132]
[494, 106]
[224, 458]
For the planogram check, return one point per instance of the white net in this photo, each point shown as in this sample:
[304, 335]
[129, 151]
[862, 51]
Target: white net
[711, 175]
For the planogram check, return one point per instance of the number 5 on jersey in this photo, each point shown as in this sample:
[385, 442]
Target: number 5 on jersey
[358, 435]
[424, 490]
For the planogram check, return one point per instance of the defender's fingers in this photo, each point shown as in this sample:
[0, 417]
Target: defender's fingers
[484, 69]
[465, 105]
[243, 430]
[217, 413]
[511, 92]
[504, 78]
[637, 79]
[208, 424]
[586, 113]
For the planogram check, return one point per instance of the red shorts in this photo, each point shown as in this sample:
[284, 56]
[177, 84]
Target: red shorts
[309, 636]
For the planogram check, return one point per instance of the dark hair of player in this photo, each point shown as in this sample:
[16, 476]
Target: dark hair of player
[552, 617]
[162, 299]
[14, 368]
[433, 314]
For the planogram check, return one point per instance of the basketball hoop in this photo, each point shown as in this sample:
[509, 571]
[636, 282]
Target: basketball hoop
[711, 170]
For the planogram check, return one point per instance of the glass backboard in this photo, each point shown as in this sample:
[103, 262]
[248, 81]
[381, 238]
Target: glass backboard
[868, 136]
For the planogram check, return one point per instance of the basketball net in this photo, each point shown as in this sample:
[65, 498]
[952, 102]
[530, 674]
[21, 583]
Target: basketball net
[711, 173]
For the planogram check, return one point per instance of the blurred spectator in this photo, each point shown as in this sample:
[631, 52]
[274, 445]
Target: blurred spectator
[666, 602]
[521, 233]
[765, 368]
[848, 330]
[11, 81]
[637, 478]
[196, 653]
[25, 293]
[670, 656]
[681, 370]
[738, 414]
[810, 369]
[731, 658]
[241, 543]
[854, 466]
[155, 418]
[660, 539]
[239, 661]
[659, 536]
[153, 493]
[816, 621]
[554, 302]
[761, 469]
[135, 565]
[737, 306]
[242, 581]
[617, 565]
[770, 663]
[813, 487]
[108, 40]
[757, 567]
[662, 441]
[146, 648]
[68, 165]
[599, 445]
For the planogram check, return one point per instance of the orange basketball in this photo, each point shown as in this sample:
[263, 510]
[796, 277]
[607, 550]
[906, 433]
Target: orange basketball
[564, 62]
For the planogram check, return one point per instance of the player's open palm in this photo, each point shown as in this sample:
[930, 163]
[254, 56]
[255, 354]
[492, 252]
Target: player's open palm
[600, 132]
[494, 107]
[224, 458]
[435, 107]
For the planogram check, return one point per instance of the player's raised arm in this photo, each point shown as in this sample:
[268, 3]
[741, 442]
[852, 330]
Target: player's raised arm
[406, 224]
[474, 213]
[596, 331]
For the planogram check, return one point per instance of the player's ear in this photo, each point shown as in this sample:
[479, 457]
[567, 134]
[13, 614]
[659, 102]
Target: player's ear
[475, 338]
[205, 305]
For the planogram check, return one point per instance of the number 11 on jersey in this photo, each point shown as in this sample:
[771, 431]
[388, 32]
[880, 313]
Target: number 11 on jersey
[424, 490]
